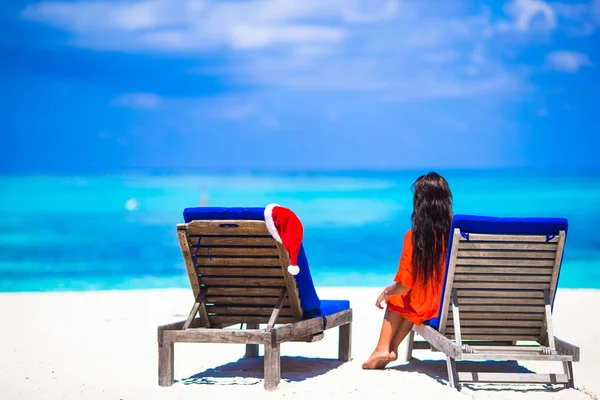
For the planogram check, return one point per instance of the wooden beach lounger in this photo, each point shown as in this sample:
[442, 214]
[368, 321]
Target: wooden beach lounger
[239, 276]
[500, 283]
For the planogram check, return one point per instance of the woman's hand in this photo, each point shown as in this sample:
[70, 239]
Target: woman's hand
[393, 290]
[382, 297]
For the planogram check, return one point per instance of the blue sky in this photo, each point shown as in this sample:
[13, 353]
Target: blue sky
[296, 85]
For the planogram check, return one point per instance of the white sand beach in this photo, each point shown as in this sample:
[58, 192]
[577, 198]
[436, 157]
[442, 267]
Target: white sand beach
[102, 345]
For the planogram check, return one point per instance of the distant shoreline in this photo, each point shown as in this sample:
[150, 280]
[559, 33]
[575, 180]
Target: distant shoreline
[350, 172]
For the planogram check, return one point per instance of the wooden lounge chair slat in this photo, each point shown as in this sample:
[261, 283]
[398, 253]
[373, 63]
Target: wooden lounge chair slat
[499, 300]
[224, 290]
[492, 377]
[476, 237]
[460, 269]
[239, 319]
[499, 315]
[501, 285]
[495, 330]
[489, 342]
[473, 336]
[491, 322]
[258, 301]
[500, 308]
[234, 242]
[203, 335]
[225, 271]
[238, 310]
[205, 251]
[507, 246]
[501, 278]
[521, 294]
[519, 348]
[506, 254]
[505, 262]
[508, 350]
[242, 262]
[245, 281]
[227, 228]
[509, 355]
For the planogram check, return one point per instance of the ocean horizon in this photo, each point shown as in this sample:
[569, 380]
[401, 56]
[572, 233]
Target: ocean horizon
[105, 231]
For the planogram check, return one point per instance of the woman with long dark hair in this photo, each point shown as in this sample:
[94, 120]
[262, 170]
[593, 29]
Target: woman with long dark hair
[415, 295]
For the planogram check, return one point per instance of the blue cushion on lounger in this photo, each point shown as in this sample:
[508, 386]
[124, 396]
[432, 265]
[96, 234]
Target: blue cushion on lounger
[329, 307]
[504, 226]
[311, 305]
[221, 213]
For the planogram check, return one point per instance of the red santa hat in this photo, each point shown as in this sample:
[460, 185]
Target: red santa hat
[286, 228]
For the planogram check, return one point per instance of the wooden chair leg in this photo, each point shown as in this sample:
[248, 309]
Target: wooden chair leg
[345, 342]
[272, 366]
[568, 367]
[452, 373]
[409, 345]
[166, 359]
[251, 349]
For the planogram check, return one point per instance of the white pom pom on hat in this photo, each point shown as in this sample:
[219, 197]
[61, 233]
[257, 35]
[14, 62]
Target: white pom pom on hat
[286, 228]
[293, 269]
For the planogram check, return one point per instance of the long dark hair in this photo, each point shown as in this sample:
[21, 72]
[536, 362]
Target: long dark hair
[431, 219]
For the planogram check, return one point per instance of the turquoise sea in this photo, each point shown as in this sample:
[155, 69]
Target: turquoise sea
[118, 231]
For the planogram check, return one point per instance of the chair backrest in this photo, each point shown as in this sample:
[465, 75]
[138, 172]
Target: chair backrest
[241, 269]
[500, 270]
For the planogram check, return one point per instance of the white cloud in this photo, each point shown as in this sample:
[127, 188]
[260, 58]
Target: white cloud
[138, 100]
[250, 37]
[377, 11]
[567, 61]
[399, 50]
[203, 24]
[86, 17]
[579, 19]
[529, 14]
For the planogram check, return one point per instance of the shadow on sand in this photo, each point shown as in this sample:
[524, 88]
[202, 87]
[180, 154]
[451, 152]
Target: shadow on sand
[249, 371]
[436, 369]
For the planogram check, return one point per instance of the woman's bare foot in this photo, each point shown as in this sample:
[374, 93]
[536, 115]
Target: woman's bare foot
[379, 359]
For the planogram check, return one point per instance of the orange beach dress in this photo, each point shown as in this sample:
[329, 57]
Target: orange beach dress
[422, 302]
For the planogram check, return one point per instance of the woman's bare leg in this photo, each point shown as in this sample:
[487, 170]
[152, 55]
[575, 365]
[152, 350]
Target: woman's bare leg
[381, 356]
[401, 333]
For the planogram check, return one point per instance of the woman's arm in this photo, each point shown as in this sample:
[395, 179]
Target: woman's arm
[395, 289]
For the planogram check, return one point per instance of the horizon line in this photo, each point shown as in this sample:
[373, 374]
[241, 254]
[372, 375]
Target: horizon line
[182, 171]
